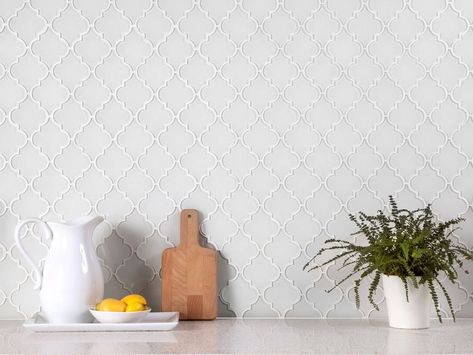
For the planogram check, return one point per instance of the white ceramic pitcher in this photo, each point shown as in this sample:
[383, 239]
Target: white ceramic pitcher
[72, 279]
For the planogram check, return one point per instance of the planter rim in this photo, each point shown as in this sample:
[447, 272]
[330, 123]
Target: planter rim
[386, 275]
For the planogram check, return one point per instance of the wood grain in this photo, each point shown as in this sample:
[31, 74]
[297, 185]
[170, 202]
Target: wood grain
[189, 274]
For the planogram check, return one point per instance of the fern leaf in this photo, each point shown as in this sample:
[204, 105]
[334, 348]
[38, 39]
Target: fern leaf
[435, 298]
[372, 290]
[447, 297]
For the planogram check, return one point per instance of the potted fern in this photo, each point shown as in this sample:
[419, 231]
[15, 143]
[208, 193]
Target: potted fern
[409, 251]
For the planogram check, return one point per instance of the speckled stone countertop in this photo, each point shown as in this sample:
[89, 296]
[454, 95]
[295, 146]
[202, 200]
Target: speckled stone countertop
[250, 336]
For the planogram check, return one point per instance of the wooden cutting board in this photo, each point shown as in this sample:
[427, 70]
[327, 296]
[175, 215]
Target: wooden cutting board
[189, 274]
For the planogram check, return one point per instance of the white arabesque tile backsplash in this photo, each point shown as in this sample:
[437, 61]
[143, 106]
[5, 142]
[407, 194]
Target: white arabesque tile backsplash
[274, 118]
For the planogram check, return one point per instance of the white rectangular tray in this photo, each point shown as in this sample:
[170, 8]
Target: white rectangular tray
[154, 321]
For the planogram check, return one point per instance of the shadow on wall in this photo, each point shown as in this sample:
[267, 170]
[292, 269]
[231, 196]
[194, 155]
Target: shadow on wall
[225, 273]
[125, 272]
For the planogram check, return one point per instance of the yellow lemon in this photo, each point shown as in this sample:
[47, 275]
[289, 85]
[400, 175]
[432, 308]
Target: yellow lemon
[111, 305]
[134, 298]
[135, 307]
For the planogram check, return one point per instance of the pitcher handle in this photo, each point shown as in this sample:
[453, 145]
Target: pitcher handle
[48, 233]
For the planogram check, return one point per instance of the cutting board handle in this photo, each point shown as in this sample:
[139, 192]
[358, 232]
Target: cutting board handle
[189, 228]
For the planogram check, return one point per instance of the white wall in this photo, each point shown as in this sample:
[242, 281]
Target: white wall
[273, 118]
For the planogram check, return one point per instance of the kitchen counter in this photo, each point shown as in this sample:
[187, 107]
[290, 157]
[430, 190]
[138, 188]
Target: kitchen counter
[250, 336]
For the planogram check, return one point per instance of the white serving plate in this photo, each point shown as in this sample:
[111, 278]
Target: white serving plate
[154, 321]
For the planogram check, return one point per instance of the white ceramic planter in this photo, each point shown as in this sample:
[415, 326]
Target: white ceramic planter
[414, 314]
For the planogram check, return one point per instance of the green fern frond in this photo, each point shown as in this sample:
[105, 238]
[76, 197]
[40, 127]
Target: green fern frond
[406, 287]
[435, 298]
[357, 293]
[372, 290]
[447, 297]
